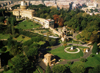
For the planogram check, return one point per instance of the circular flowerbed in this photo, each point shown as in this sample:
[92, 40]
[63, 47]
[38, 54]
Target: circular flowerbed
[76, 50]
[69, 49]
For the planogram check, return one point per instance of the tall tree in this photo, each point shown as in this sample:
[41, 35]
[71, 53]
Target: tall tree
[12, 24]
[77, 69]
[32, 53]
[48, 69]
[95, 48]
[21, 64]
[59, 69]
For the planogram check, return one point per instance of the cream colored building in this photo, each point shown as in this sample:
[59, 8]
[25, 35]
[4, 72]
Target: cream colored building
[47, 23]
[23, 11]
[49, 59]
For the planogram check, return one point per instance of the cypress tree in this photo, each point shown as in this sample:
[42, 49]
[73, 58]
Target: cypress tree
[95, 48]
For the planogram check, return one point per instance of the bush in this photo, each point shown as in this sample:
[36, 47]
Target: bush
[16, 35]
[23, 36]
[92, 55]
[52, 42]
[69, 62]
[24, 25]
[83, 60]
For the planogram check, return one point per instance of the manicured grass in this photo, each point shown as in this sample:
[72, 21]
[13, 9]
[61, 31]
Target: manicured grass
[4, 36]
[91, 61]
[27, 25]
[19, 38]
[63, 55]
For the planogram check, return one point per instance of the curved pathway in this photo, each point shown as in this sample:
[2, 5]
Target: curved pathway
[65, 61]
[74, 60]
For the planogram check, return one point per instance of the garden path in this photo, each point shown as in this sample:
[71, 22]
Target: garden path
[74, 60]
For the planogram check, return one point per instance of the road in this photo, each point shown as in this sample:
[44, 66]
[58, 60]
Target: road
[75, 60]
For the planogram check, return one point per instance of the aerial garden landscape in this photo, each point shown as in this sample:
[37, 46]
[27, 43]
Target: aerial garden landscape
[23, 43]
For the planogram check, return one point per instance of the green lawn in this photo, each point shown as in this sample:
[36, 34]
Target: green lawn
[91, 61]
[63, 55]
[27, 25]
[19, 38]
[4, 36]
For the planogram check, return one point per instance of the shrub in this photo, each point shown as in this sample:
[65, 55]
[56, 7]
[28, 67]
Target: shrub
[24, 25]
[16, 35]
[23, 36]
[83, 60]
[92, 55]
[69, 62]
[52, 42]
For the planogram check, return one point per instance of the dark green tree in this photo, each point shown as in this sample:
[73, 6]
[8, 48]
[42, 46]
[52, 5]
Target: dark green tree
[2, 19]
[95, 48]
[59, 68]
[12, 25]
[10, 42]
[97, 69]
[77, 69]
[83, 24]
[48, 69]
[32, 53]
[21, 64]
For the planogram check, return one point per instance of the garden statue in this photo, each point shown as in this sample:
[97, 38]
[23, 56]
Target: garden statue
[71, 48]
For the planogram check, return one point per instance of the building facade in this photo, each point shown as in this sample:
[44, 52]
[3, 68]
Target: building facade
[23, 11]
